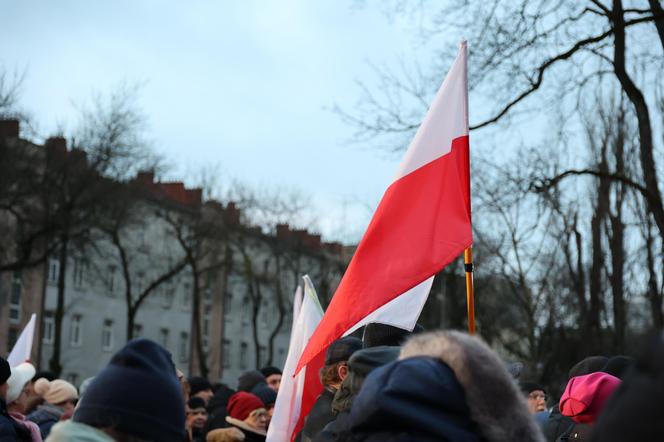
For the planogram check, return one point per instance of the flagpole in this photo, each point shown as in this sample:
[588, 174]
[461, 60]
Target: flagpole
[470, 290]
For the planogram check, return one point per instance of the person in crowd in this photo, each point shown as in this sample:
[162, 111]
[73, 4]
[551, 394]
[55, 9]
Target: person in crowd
[583, 400]
[268, 396]
[557, 424]
[247, 418]
[360, 364]
[272, 377]
[250, 380]
[377, 334]
[196, 419]
[137, 396]
[17, 397]
[34, 400]
[634, 411]
[446, 386]
[200, 387]
[217, 408]
[618, 366]
[535, 395]
[7, 426]
[60, 398]
[84, 387]
[332, 375]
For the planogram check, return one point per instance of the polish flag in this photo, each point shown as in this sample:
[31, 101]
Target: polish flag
[23, 347]
[422, 223]
[297, 394]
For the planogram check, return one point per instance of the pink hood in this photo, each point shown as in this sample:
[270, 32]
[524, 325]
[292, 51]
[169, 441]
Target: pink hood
[585, 396]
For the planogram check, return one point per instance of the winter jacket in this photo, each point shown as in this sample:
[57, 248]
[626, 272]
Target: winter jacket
[45, 416]
[447, 386]
[556, 425]
[29, 428]
[250, 434]
[7, 430]
[319, 416]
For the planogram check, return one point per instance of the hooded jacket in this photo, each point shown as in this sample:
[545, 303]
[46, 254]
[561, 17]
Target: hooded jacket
[447, 386]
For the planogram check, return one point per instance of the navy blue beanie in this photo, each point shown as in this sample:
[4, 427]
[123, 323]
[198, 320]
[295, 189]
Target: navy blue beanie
[137, 393]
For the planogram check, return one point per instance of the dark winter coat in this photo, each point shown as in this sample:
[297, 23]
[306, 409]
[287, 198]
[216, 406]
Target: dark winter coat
[320, 415]
[7, 430]
[45, 416]
[556, 425]
[447, 386]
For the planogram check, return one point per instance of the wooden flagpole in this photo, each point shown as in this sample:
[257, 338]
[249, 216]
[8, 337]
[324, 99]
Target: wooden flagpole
[470, 291]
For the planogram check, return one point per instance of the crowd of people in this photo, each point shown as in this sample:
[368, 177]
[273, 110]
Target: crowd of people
[390, 385]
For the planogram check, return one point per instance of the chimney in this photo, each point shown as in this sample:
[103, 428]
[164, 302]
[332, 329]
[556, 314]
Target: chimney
[283, 232]
[57, 144]
[145, 177]
[9, 128]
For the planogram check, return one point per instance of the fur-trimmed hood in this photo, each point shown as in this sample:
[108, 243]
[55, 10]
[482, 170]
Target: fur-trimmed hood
[492, 396]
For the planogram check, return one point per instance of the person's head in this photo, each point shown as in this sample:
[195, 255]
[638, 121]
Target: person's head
[590, 364]
[535, 395]
[585, 396]
[5, 373]
[272, 377]
[618, 366]
[18, 382]
[200, 387]
[138, 394]
[377, 334]
[57, 392]
[248, 408]
[268, 396]
[249, 379]
[196, 413]
[335, 369]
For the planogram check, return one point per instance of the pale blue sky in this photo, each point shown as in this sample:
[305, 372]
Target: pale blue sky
[244, 84]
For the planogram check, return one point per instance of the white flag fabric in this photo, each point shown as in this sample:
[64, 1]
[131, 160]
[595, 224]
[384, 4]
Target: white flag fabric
[23, 347]
[289, 404]
[297, 305]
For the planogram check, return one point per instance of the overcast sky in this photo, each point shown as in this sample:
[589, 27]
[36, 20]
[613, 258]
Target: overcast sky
[244, 84]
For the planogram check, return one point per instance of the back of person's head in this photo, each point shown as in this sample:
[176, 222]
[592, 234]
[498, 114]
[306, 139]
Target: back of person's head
[20, 376]
[588, 365]
[267, 395]
[56, 391]
[364, 361]
[249, 379]
[335, 367]
[138, 394]
[634, 411]
[48, 375]
[241, 404]
[445, 386]
[618, 366]
[198, 384]
[377, 334]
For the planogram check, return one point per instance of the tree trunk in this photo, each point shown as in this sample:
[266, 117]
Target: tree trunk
[54, 364]
[654, 295]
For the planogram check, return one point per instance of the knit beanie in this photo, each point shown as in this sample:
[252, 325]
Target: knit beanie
[618, 366]
[137, 393]
[56, 391]
[241, 404]
[21, 375]
[362, 362]
[528, 387]
[249, 379]
[591, 364]
[376, 334]
[585, 396]
[198, 384]
[267, 395]
[269, 371]
[342, 349]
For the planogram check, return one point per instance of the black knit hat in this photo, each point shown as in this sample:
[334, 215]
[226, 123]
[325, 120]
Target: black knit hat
[195, 402]
[137, 393]
[269, 371]
[529, 386]
[364, 361]
[377, 334]
[591, 364]
[342, 349]
[197, 384]
[265, 394]
[5, 371]
[618, 366]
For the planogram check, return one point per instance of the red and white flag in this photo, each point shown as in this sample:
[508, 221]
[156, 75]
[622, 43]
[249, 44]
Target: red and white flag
[23, 347]
[297, 394]
[422, 223]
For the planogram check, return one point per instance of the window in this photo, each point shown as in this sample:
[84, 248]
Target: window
[163, 337]
[107, 336]
[262, 355]
[207, 313]
[47, 337]
[79, 271]
[228, 302]
[167, 293]
[245, 311]
[184, 346]
[111, 283]
[72, 378]
[282, 356]
[243, 355]
[15, 299]
[207, 296]
[139, 284]
[137, 331]
[53, 271]
[227, 353]
[264, 315]
[186, 296]
[75, 334]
